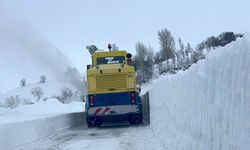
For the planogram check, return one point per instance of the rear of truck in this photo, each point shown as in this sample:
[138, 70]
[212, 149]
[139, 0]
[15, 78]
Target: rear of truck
[112, 94]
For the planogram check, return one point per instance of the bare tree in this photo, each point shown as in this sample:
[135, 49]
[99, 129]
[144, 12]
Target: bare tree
[12, 101]
[181, 54]
[37, 93]
[66, 95]
[144, 62]
[188, 54]
[181, 45]
[23, 82]
[26, 101]
[73, 77]
[167, 44]
[158, 58]
[188, 49]
[150, 62]
[42, 79]
[139, 60]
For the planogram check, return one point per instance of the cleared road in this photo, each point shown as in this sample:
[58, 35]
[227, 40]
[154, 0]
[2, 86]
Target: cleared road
[80, 138]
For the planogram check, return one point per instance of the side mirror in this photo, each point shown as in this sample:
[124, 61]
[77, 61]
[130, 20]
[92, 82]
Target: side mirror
[89, 66]
[129, 55]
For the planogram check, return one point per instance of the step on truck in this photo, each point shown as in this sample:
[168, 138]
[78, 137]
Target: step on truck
[112, 95]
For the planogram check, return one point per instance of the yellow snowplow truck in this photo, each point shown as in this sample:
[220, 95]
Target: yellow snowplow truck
[112, 94]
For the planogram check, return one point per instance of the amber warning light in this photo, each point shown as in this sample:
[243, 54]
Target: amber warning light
[109, 47]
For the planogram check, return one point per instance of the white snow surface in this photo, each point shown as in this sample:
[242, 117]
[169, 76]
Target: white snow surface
[41, 109]
[50, 89]
[206, 107]
[80, 138]
[203, 108]
[28, 123]
[16, 134]
[27, 54]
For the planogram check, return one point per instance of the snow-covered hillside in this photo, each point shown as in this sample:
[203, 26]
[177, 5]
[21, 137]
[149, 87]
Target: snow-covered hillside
[27, 124]
[26, 54]
[50, 89]
[206, 107]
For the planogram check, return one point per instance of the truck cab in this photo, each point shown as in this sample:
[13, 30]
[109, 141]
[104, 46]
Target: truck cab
[112, 94]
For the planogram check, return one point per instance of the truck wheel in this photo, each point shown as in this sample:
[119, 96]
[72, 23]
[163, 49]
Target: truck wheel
[134, 119]
[98, 122]
[90, 125]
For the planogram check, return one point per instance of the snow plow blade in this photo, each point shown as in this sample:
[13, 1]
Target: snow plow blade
[145, 108]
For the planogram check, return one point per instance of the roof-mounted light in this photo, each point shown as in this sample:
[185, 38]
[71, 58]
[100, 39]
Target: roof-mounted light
[109, 47]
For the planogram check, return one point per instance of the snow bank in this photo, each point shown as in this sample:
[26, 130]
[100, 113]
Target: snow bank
[206, 107]
[19, 133]
[28, 123]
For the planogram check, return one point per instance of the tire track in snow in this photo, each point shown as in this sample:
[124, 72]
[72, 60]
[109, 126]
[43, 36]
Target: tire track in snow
[80, 138]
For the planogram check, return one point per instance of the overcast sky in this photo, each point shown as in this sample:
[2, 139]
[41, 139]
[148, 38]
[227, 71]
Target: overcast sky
[70, 25]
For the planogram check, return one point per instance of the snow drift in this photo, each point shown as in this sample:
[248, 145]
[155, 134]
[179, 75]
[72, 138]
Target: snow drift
[206, 107]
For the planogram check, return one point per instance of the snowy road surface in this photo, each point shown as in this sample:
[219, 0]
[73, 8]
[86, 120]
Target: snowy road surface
[80, 138]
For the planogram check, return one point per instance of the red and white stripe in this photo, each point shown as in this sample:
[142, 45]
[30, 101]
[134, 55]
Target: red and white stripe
[102, 111]
[97, 111]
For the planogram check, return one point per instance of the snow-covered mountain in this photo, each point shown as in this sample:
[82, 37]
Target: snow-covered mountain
[203, 108]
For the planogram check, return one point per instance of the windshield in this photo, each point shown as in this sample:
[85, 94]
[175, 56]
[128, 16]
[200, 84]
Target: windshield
[110, 60]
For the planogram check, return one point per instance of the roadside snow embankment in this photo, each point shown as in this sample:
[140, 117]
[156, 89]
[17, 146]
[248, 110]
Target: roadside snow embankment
[28, 123]
[206, 107]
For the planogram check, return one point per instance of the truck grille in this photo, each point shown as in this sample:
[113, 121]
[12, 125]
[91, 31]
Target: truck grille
[110, 82]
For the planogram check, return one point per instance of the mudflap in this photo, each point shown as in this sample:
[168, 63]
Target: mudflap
[145, 108]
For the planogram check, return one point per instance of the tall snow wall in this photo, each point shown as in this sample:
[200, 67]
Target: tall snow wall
[206, 107]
